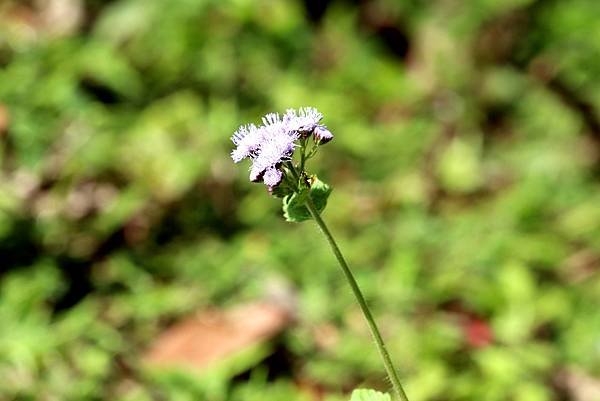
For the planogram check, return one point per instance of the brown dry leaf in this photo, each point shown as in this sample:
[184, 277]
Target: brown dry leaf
[208, 337]
[4, 119]
[579, 385]
[60, 17]
[581, 265]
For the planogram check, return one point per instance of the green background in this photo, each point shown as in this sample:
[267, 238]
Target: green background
[465, 171]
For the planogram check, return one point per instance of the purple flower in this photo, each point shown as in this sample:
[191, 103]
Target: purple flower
[272, 177]
[304, 121]
[273, 143]
[277, 146]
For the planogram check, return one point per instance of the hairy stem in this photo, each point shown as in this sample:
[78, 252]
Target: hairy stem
[387, 361]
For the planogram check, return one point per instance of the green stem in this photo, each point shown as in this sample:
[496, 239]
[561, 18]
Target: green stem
[303, 154]
[295, 173]
[387, 361]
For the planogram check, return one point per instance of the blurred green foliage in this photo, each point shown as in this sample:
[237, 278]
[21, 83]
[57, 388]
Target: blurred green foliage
[465, 169]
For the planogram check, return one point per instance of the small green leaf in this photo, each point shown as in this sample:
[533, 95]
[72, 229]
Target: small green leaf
[369, 395]
[293, 205]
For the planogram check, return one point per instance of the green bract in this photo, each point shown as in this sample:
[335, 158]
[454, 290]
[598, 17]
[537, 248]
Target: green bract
[294, 208]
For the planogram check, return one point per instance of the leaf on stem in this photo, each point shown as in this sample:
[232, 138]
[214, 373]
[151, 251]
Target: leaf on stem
[294, 208]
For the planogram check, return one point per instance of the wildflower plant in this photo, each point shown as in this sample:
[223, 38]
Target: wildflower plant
[279, 150]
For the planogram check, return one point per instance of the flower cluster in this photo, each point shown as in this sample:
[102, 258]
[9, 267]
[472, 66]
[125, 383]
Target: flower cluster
[272, 143]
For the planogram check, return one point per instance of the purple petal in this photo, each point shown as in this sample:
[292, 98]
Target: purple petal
[247, 140]
[256, 173]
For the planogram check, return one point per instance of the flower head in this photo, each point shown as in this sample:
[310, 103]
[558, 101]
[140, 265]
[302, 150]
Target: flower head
[247, 140]
[272, 177]
[304, 121]
[272, 143]
[277, 146]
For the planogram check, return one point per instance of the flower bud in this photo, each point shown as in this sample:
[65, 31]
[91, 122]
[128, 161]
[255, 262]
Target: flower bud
[322, 134]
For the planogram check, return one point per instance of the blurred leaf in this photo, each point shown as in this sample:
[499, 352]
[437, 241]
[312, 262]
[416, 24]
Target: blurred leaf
[369, 395]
